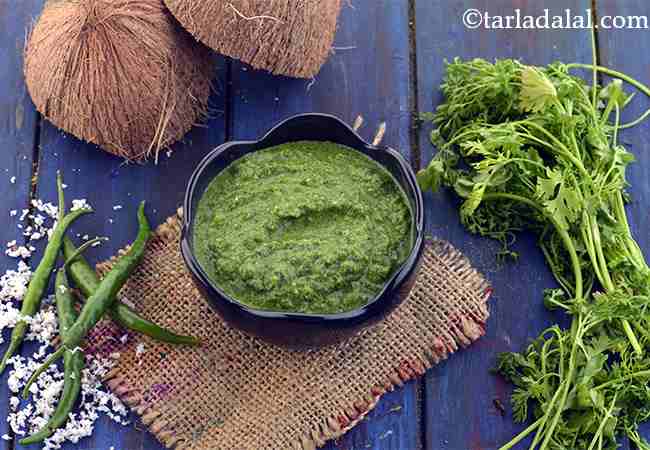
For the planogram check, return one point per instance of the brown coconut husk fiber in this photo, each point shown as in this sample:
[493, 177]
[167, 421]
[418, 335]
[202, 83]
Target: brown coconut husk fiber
[119, 73]
[285, 37]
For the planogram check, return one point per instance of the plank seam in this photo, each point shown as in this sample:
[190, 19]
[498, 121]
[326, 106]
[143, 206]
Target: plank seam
[416, 161]
[416, 158]
[229, 102]
[594, 17]
[414, 108]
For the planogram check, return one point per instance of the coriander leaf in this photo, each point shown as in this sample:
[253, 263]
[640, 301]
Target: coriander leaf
[534, 135]
[537, 91]
[554, 299]
[613, 92]
[564, 207]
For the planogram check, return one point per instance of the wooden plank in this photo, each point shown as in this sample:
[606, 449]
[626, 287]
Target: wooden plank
[393, 424]
[105, 181]
[459, 394]
[626, 50]
[367, 75]
[18, 124]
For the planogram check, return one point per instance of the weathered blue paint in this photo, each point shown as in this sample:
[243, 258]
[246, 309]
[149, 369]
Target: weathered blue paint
[368, 74]
[18, 124]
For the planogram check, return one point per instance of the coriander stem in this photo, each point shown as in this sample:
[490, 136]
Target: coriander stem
[577, 328]
[559, 143]
[594, 60]
[614, 73]
[617, 124]
[629, 332]
[619, 211]
[588, 240]
[609, 286]
[566, 239]
[521, 435]
[546, 415]
[608, 111]
[634, 123]
[528, 161]
[575, 145]
[641, 373]
[595, 233]
[558, 276]
[599, 433]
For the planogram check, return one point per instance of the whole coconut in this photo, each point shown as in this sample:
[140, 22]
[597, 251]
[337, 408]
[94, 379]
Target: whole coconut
[287, 37]
[119, 73]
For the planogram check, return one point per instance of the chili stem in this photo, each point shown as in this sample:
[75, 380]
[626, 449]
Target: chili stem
[82, 248]
[61, 195]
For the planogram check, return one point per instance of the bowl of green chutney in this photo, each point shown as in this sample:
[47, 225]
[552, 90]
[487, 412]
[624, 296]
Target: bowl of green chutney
[304, 237]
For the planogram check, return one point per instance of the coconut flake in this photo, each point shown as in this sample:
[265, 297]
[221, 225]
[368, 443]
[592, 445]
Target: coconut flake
[17, 251]
[79, 204]
[42, 328]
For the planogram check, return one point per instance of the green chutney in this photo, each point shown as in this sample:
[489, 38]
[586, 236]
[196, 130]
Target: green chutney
[308, 227]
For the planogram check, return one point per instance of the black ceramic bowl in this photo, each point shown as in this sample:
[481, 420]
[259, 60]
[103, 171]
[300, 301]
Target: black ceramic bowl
[293, 329]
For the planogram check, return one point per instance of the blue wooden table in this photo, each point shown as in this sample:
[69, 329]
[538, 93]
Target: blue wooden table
[386, 66]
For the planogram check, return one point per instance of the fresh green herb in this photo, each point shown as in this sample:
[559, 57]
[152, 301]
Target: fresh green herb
[535, 148]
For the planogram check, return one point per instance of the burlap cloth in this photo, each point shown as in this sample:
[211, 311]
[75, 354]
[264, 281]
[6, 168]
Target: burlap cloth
[236, 392]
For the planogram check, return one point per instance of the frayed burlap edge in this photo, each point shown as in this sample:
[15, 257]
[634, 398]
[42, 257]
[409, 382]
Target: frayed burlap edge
[440, 257]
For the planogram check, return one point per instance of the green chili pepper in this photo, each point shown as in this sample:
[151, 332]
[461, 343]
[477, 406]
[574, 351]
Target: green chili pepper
[73, 363]
[105, 294]
[41, 277]
[61, 350]
[86, 279]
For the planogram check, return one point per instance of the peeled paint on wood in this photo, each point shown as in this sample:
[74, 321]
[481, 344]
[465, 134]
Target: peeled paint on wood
[118, 73]
[284, 37]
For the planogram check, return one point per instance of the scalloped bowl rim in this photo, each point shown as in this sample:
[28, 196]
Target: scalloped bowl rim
[409, 264]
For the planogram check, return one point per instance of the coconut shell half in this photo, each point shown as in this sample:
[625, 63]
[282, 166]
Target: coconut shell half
[285, 37]
[119, 73]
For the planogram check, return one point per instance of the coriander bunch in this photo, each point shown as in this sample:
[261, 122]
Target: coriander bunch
[537, 149]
